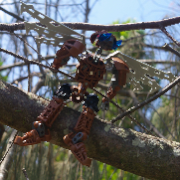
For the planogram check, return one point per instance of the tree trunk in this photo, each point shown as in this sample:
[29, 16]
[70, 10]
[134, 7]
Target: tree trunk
[138, 153]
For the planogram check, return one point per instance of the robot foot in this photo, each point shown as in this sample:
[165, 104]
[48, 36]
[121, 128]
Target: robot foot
[80, 153]
[31, 138]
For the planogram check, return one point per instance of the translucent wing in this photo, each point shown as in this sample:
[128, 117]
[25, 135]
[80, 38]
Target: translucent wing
[142, 73]
[55, 35]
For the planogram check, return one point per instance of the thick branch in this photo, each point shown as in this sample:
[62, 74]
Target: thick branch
[125, 149]
[99, 27]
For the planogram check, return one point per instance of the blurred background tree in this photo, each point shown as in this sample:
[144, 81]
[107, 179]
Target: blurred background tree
[47, 161]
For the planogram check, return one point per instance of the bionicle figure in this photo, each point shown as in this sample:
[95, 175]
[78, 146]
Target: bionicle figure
[89, 72]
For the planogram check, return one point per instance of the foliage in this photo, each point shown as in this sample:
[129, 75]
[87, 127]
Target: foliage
[4, 78]
[132, 41]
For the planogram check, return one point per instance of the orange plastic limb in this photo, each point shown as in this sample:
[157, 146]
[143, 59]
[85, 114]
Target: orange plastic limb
[85, 120]
[47, 117]
[72, 48]
[79, 149]
[31, 138]
[121, 70]
[62, 57]
[78, 93]
[50, 113]
[80, 153]
[111, 93]
[83, 125]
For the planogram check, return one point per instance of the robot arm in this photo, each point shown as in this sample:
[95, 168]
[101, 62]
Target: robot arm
[118, 80]
[72, 48]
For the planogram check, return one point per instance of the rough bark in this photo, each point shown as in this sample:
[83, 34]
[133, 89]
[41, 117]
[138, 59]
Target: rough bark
[132, 151]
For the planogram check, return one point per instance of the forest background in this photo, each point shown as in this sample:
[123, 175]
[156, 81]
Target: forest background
[49, 161]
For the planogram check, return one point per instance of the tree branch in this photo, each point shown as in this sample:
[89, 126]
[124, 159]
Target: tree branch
[163, 29]
[147, 121]
[12, 14]
[98, 27]
[129, 150]
[140, 105]
[168, 48]
[38, 85]
[19, 64]
[8, 157]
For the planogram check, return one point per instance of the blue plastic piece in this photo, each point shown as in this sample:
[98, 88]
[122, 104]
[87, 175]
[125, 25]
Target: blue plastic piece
[116, 44]
[107, 37]
[103, 37]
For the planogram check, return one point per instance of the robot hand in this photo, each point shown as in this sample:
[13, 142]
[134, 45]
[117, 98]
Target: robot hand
[64, 91]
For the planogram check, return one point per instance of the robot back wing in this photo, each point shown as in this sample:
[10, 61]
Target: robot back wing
[56, 34]
[142, 73]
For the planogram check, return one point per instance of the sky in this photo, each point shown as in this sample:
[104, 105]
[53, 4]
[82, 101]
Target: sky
[105, 11]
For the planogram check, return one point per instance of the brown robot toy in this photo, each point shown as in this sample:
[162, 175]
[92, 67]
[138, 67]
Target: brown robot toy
[90, 71]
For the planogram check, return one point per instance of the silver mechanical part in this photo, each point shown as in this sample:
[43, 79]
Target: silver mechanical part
[109, 65]
[40, 129]
[105, 105]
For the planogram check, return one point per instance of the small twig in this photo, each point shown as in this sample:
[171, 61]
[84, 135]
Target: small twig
[163, 121]
[8, 148]
[160, 93]
[38, 85]
[156, 47]
[174, 124]
[122, 110]
[26, 43]
[29, 77]
[163, 29]
[18, 64]
[25, 173]
[52, 4]
[12, 14]
[167, 47]
[152, 127]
